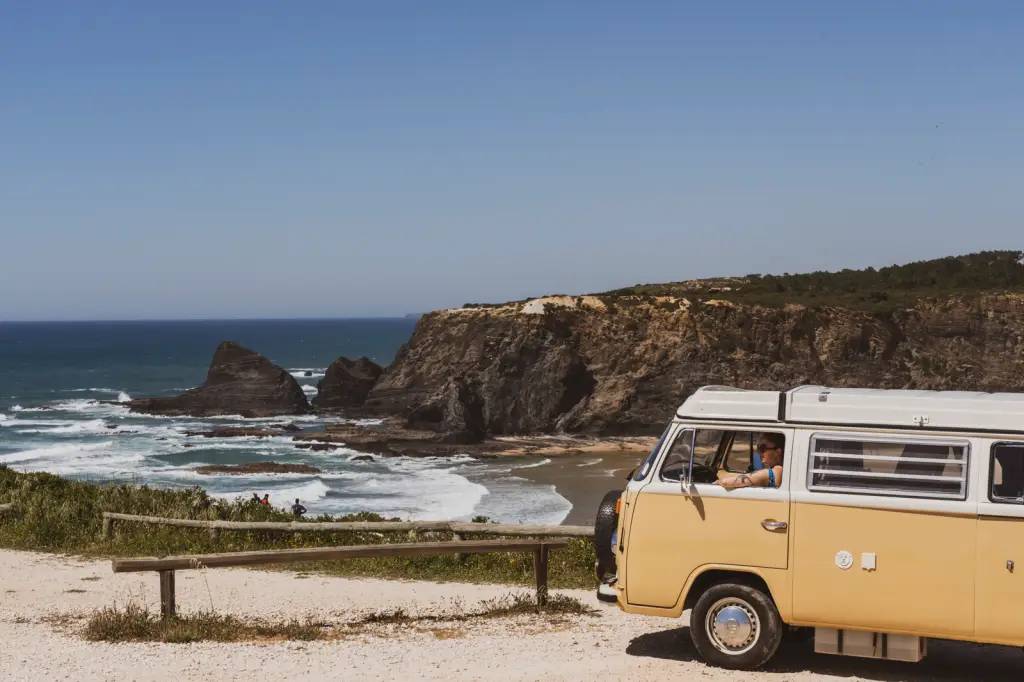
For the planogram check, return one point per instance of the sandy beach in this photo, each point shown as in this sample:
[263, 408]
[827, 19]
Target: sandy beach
[45, 599]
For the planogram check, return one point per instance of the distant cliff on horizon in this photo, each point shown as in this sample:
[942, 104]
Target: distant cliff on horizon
[619, 362]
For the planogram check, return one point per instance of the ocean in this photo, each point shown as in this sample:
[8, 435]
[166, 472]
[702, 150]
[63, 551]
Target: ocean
[61, 385]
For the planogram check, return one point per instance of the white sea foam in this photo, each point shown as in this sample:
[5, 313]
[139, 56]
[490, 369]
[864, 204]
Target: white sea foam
[512, 500]
[92, 390]
[280, 497]
[310, 389]
[534, 465]
[589, 462]
[123, 397]
[17, 408]
[77, 427]
[52, 455]
[314, 372]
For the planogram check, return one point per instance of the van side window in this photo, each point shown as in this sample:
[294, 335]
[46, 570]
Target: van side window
[678, 459]
[1007, 473]
[888, 467]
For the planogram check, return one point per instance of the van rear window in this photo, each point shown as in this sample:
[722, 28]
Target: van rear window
[888, 467]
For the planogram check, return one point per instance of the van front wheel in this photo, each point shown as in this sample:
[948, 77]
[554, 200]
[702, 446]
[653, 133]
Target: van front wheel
[735, 626]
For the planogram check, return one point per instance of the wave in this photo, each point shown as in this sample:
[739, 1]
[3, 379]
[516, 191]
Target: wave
[17, 408]
[65, 427]
[92, 390]
[310, 389]
[280, 497]
[314, 372]
[123, 397]
[534, 465]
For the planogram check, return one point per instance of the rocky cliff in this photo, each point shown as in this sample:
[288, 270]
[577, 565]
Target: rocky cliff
[620, 364]
[346, 383]
[239, 381]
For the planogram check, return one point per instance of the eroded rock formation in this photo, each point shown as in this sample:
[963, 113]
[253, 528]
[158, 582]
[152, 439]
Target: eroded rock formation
[239, 381]
[346, 383]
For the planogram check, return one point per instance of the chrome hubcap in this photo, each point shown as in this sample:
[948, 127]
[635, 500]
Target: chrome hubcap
[732, 626]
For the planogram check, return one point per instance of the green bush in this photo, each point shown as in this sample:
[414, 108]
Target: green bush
[59, 515]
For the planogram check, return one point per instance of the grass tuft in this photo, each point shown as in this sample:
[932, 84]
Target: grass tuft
[134, 623]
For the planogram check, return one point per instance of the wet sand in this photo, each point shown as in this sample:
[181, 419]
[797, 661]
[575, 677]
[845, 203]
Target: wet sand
[584, 479]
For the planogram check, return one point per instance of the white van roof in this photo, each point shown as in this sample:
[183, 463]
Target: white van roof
[959, 410]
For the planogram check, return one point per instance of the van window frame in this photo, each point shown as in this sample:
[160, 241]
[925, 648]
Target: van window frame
[898, 440]
[992, 472]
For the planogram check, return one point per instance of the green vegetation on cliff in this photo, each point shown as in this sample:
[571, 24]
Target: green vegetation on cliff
[869, 289]
[59, 515]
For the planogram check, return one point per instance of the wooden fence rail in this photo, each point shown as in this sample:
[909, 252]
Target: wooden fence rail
[412, 527]
[166, 566]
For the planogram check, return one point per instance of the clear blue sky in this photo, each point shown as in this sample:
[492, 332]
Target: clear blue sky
[198, 159]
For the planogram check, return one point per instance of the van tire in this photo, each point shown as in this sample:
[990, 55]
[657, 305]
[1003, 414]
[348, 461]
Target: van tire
[766, 635]
[605, 524]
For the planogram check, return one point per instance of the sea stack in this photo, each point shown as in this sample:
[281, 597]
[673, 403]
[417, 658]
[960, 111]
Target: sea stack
[239, 381]
[346, 383]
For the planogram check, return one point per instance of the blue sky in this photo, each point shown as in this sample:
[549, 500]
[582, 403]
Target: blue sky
[179, 159]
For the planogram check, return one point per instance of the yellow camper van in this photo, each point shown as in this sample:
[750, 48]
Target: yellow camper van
[898, 516]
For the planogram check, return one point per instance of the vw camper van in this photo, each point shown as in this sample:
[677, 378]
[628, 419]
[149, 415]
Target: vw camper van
[899, 516]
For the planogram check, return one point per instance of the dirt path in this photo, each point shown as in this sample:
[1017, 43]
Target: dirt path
[38, 640]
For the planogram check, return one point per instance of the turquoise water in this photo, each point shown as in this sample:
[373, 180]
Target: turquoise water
[61, 384]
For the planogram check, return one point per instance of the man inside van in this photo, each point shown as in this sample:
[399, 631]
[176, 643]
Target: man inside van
[770, 446]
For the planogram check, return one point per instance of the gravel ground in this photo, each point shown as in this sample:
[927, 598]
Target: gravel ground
[44, 598]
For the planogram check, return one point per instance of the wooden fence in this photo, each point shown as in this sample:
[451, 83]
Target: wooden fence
[166, 566]
[6, 508]
[413, 528]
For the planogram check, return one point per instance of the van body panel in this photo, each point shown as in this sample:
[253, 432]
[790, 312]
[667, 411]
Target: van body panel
[673, 533]
[778, 581]
[1000, 591]
[922, 579]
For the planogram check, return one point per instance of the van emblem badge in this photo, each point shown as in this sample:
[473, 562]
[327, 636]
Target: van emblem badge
[844, 559]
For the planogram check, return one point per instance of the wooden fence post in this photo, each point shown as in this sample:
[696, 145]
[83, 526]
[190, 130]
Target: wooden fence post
[540, 569]
[107, 527]
[214, 533]
[167, 594]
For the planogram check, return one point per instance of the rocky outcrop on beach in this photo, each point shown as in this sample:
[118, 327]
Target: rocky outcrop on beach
[346, 383]
[620, 364]
[392, 437]
[239, 381]
[256, 468]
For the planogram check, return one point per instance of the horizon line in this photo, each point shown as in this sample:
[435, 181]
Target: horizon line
[407, 316]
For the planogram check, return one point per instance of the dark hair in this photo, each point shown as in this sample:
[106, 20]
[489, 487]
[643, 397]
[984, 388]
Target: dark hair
[776, 439]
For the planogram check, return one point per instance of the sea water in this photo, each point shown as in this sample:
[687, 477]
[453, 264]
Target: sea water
[63, 385]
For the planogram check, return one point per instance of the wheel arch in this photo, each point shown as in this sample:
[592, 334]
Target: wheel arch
[705, 577]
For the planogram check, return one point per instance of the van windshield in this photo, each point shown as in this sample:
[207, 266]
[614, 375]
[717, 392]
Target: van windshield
[645, 467]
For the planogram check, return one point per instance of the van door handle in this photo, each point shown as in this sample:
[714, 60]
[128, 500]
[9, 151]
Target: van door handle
[774, 526]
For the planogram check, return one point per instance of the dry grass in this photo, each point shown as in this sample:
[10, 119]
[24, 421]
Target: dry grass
[134, 623]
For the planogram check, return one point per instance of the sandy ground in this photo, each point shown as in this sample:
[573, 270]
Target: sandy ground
[38, 640]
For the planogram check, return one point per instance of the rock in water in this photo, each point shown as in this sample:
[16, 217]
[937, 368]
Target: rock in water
[239, 381]
[346, 383]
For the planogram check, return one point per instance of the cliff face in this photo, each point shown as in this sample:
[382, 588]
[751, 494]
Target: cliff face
[621, 364]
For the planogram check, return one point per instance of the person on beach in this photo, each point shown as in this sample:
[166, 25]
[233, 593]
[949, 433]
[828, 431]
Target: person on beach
[266, 500]
[770, 446]
[297, 509]
[255, 498]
